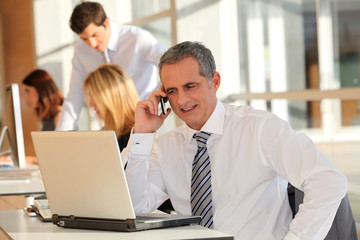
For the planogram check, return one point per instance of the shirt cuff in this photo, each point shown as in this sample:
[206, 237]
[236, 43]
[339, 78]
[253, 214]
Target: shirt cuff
[141, 143]
[291, 236]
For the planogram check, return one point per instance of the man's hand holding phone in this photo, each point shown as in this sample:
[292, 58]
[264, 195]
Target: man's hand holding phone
[147, 118]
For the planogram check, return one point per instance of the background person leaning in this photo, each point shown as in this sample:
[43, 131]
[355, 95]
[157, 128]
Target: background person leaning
[103, 41]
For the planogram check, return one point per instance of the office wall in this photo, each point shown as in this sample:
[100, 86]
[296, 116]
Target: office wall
[1, 61]
[18, 54]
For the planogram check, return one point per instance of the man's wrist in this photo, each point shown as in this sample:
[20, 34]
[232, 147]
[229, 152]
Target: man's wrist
[141, 143]
[142, 129]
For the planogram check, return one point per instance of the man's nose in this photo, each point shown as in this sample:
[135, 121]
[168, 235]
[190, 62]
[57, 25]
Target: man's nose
[182, 98]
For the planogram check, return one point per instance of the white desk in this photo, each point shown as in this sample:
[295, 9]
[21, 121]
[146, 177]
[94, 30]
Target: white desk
[21, 227]
[30, 186]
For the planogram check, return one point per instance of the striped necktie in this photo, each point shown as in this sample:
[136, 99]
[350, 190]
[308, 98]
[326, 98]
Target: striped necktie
[201, 200]
[107, 57]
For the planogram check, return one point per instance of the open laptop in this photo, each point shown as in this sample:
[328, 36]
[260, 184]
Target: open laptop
[85, 183]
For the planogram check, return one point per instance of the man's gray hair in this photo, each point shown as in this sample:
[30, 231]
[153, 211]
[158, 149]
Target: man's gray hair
[191, 49]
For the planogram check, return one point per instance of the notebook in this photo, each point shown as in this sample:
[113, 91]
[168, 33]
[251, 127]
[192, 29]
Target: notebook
[86, 186]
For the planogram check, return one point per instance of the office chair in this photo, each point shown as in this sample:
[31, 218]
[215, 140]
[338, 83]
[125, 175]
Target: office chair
[343, 226]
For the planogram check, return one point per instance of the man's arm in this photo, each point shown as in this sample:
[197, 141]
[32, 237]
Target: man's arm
[74, 100]
[143, 173]
[72, 106]
[296, 158]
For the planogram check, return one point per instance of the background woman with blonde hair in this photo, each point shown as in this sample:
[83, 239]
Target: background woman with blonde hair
[110, 91]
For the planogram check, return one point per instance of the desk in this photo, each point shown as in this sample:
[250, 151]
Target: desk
[30, 186]
[12, 190]
[21, 227]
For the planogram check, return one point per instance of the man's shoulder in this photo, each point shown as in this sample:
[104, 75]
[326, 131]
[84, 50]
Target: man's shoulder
[81, 47]
[79, 44]
[245, 111]
[133, 35]
[129, 30]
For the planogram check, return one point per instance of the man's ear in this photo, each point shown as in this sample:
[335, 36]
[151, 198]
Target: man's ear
[215, 81]
[107, 23]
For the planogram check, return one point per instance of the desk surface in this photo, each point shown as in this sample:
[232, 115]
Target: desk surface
[22, 186]
[21, 227]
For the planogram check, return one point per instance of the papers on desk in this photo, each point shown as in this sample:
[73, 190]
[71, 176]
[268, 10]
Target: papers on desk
[41, 207]
[45, 215]
[41, 203]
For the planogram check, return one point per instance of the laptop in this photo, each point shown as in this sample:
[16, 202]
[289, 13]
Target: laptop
[86, 186]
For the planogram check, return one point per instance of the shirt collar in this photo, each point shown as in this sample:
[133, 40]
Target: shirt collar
[214, 125]
[114, 36]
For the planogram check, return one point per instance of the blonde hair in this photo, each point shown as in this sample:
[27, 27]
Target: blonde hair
[115, 96]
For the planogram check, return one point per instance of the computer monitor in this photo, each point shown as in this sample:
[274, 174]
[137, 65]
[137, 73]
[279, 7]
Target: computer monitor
[11, 138]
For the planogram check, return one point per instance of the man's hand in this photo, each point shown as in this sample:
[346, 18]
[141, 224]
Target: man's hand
[147, 119]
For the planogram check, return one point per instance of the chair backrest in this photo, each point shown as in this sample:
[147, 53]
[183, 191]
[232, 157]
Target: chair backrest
[343, 226]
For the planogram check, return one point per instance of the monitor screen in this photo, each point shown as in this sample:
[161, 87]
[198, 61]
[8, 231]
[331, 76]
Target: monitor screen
[12, 139]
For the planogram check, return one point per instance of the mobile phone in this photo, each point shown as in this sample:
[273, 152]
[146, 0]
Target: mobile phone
[162, 103]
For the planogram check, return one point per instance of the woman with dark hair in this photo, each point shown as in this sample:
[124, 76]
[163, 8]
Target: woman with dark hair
[42, 95]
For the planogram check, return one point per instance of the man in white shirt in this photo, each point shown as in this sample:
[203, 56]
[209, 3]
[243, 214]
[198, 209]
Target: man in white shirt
[130, 47]
[253, 154]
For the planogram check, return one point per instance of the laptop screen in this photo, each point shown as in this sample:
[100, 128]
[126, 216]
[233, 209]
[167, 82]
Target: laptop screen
[83, 174]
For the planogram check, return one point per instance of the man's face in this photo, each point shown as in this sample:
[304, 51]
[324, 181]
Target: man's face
[97, 37]
[189, 93]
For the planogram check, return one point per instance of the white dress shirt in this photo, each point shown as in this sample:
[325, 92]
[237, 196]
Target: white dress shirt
[130, 47]
[252, 154]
